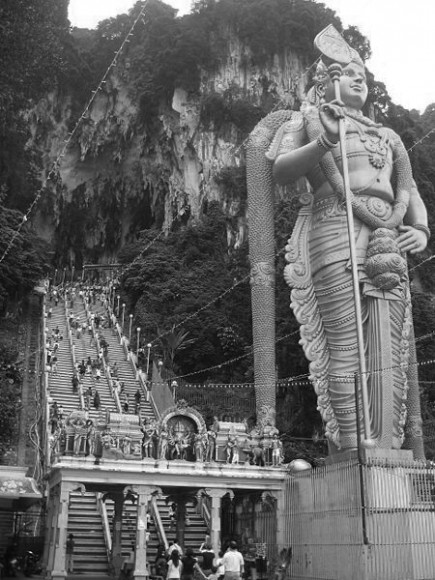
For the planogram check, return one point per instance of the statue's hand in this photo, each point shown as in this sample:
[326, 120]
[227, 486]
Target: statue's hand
[411, 240]
[330, 115]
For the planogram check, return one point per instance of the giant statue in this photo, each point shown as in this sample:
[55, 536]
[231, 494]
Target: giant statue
[332, 290]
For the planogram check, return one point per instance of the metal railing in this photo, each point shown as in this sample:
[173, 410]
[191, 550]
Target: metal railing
[362, 519]
[158, 523]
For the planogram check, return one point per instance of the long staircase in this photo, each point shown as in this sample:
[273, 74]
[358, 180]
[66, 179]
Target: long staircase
[84, 349]
[85, 523]
[60, 385]
[84, 519]
[195, 529]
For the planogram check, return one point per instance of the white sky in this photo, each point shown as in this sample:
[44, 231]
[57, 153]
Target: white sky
[400, 33]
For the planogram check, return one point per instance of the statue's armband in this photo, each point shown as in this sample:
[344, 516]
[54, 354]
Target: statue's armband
[290, 136]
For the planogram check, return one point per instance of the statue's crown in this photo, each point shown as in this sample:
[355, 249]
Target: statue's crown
[334, 49]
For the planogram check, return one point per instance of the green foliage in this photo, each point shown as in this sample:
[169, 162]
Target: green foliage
[10, 387]
[167, 52]
[269, 26]
[230, 107]
[185, 274]
[232, 181]
[26, 262]
[32, 33]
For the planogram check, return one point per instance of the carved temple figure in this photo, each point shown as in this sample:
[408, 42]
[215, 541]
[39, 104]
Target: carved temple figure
[76, 422]
[90, 438]
[199, 443]
[210, 453]
[230, 446]
[149, 431]
[163, 443]
[390, 220]
[277, 451]
[180, 443]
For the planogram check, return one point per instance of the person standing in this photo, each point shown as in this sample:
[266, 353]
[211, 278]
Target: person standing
[175, 566]
[75, 383]
[137, 400]
[175, 546]
[97, 400]
[233, 563]
[70, 554]
[190, 565]
[207, 559]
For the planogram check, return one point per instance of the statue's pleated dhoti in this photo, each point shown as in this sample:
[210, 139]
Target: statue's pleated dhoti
[386, 320]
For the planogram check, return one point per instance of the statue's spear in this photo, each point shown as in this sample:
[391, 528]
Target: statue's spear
[331, 44]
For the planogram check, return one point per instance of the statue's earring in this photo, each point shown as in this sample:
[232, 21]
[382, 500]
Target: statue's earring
[320, 93]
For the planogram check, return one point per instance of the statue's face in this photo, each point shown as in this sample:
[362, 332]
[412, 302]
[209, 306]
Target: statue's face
[353, 86]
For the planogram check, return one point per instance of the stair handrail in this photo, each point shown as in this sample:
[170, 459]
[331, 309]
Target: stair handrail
[205, 510]
[129, 355]
[101, 506]
[158, 523]
[107, 374]
[73, 356]
[91, 322]
[46, 394]
[148, 394]
[125, 346]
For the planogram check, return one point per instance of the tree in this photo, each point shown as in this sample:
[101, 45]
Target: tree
[26, 260]
[173, 342]
[184, 279]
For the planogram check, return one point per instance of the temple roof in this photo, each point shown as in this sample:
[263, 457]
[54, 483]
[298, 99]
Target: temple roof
[17, 492]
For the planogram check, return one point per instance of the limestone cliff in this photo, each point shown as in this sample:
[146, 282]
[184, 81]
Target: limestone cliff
[120, 175]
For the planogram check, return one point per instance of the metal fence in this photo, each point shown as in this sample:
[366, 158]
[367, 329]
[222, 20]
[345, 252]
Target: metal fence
[362, 520]
[228, 402]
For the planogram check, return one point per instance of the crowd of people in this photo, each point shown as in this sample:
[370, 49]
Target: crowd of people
[175, 564]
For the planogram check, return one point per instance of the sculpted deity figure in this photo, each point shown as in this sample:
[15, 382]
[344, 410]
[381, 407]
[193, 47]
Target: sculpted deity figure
[390, 220]
[211, 445]
[149, 431]
[199, 446]
[163, 443]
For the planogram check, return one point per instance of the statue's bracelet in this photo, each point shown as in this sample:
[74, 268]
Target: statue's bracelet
[324, 143]
[422, 228]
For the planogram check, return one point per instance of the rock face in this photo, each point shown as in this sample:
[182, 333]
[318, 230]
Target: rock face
[118, 176]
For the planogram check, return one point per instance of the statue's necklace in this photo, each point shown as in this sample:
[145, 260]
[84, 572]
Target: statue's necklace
[372, 139]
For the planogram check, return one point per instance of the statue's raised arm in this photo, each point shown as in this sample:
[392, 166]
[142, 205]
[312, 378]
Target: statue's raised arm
[389, 220]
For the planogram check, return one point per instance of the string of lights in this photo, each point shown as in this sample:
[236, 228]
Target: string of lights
[289, 381]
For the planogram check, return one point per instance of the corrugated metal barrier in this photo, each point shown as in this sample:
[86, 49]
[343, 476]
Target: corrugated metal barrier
[362, 520]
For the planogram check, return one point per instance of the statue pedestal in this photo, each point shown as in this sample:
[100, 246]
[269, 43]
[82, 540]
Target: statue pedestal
[367, 520]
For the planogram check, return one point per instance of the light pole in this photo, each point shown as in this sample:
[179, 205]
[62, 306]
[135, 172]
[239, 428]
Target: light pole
[55, 277]
[137, 345]
[160, 365]
[63, 276]
[118, 297]
[149, 345]
[123, 317]
[73, 268]
[129, 330]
